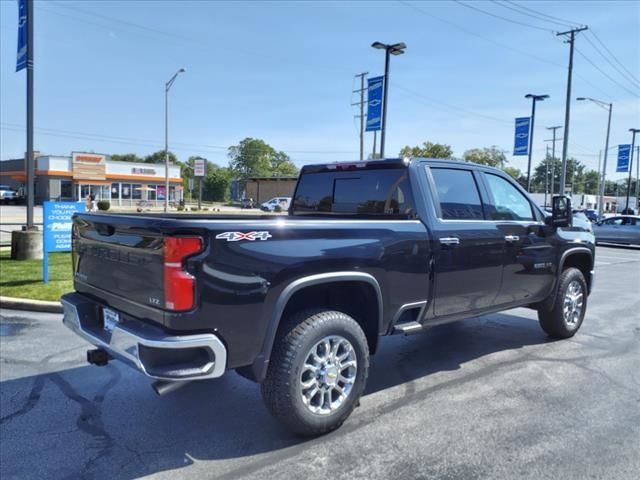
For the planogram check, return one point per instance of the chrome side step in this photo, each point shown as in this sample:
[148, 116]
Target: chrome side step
[407, 328]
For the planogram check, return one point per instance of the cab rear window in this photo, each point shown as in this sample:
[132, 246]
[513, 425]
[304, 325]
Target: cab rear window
[379, 192]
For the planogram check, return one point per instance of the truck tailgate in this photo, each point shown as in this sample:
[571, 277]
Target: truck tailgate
[123, 259]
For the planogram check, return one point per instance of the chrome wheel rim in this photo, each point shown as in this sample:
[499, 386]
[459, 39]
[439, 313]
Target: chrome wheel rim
[328, 374]
[573, 303]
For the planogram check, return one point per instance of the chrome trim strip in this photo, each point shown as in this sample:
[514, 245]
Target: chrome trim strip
[124, 343]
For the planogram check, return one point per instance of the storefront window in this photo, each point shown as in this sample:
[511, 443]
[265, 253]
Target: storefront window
[160, 192]
[126, 191]
[115, 191]
[136, 191]
[66, 189]
[151, 192]
[172, 193]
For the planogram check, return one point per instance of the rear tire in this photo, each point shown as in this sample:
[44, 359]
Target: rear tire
[566, 315]
[317, 372]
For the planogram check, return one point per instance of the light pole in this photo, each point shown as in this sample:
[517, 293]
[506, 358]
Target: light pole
[608, 106]
[534, 99]
[633, 147]
[167, 86]
[553, 156]
[394, 49]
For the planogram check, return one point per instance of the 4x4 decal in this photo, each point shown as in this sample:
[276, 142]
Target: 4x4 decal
[237, 236]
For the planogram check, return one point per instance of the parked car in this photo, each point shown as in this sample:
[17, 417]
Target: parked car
[591, 214]
[299, 303]
[8, 194]
[271, 205]
[623, 229]
[247, 203]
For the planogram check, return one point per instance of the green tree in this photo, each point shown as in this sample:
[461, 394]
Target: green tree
[281, 165]
[516, 174]
[486, 156]
[575, 175]
[126, 157]
[253, 157]
[158, 157]
[591, 179]
[428, 150]
[216, 185]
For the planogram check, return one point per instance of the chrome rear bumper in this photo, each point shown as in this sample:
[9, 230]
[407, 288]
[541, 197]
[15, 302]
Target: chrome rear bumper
[145, 347]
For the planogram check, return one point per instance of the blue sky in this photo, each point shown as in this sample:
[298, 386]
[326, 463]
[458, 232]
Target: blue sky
[284, 72]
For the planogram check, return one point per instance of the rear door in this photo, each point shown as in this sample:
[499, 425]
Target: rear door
[529, 257]
[469, 250]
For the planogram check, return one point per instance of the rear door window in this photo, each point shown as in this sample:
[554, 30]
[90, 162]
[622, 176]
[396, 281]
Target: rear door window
[364, 192]
[458, 195]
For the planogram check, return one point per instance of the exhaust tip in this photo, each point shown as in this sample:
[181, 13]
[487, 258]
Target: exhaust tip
[162, 387]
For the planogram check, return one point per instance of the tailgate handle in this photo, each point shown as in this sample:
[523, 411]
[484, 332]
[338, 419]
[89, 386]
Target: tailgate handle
[105, 229]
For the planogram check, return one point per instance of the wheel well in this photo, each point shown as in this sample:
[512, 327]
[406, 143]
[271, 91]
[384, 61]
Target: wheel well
[356, 299]
[581, 261]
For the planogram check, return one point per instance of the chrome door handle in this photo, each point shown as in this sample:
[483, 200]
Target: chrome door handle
[449, 241]
[511, 238]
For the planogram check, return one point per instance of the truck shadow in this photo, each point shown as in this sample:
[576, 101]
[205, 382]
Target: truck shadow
[85, 422]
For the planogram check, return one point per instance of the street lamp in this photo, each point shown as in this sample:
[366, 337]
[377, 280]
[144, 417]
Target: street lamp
[534, 99]
[393, 49]
[633, 147]
[608, 106]
[167, 86]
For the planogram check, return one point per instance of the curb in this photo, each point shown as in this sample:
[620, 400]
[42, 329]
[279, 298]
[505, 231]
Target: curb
[28, 304]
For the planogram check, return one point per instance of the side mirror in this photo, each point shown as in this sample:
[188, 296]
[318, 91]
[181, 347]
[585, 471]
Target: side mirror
[561, 215]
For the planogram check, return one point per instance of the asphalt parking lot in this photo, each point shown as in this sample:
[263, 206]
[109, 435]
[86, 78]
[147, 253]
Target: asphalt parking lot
[490, 397]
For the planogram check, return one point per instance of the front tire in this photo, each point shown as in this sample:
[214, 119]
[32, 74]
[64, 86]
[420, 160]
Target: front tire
[564, 319]
[317, 372]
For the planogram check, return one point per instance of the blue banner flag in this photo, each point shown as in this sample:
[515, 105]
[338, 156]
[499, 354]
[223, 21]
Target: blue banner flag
[624, 151]
[58, 220]
[21, 60]
[521, 143]
[374, 104]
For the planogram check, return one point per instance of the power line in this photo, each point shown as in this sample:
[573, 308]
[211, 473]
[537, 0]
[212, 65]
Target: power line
[511, 20]
[605, 73]
[516, 8]
[148, 143]
[541, 14]
[612, 55]
[450, 106]
[626, 76]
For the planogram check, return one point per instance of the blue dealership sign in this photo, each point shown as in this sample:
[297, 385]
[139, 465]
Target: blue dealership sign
[624, 151]
[374, 103]
[57, 221]
[21, 60]
[521, 143]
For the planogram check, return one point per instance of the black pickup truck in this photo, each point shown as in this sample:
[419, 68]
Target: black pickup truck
[299, 302]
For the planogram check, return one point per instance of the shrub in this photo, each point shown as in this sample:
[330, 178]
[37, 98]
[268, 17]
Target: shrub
[180, 208]
[104, 205]
[194, 209]
[277, 208]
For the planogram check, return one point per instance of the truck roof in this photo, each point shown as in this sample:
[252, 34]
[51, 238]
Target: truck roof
[385, 163]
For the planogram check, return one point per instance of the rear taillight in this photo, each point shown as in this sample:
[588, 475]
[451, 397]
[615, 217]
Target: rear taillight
[179, 285]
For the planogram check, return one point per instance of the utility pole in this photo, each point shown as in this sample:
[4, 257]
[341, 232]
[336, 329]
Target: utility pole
[30, 160]
[633, 146]
[567, 108]
[361, 116]
[546, 176]
[599, 179]
[638, 180]
[553, 154]
[375, 138]
[534, 99]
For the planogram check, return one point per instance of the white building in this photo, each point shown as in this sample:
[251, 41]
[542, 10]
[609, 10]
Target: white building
[75, 177]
